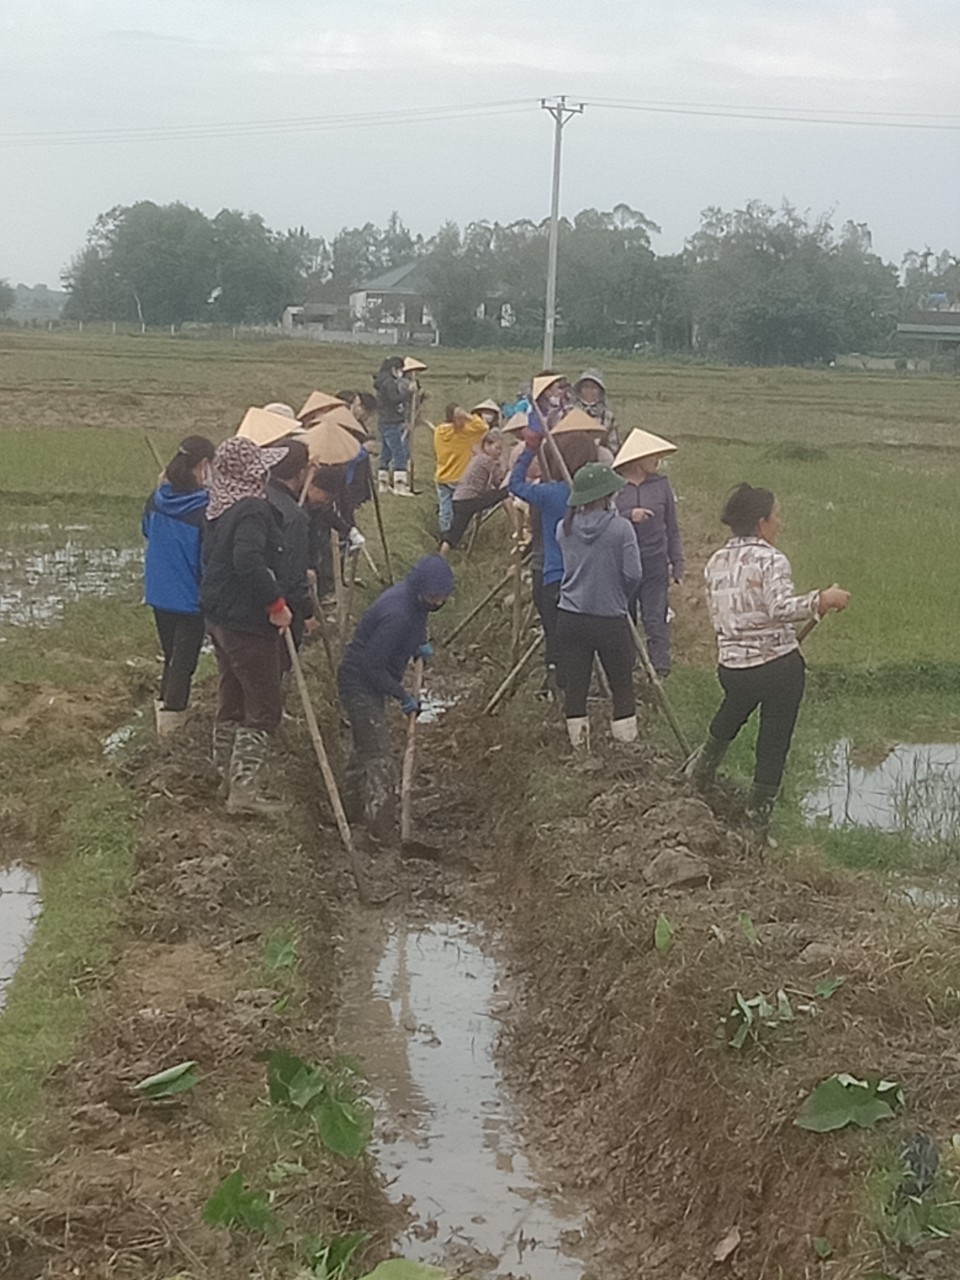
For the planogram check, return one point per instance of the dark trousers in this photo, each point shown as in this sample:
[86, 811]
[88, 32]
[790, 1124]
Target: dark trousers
[249, 667]
[464, 509]
[777, 689]
[368, 790]
[181, 636]
[653, 599]
[580, 637]
[546, 598]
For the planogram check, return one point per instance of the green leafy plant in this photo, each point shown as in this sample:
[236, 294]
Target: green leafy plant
[843, 1099]
[329, 1259]
[231, 1206]
[663, 935]
[169, 1083]
[822, 1248]
[400, 1269]
[329, 1095]
[281, 953]
[748, 928]
[749, 1017]
[829, 987]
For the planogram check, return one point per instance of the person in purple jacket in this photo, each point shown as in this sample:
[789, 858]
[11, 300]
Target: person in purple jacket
[648, 502]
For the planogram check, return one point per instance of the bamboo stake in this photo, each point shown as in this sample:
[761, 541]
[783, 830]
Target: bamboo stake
[512, 676]
[409, 757]
[348, 603]
[372, 563]
[155, 451]
[322, 628]
[516, 555]
[375, 494]
[659, 692]
[323, 761]
[477, 608]
[411, 429]
[337, 577]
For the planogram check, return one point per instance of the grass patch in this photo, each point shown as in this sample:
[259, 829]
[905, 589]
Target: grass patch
[83, 890]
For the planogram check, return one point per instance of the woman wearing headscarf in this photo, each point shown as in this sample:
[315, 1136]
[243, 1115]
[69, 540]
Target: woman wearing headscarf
[390, 634]
[173, 524]
[590, 395]
[648, 502]
[246, 615]
[601, 573]
[755, 611]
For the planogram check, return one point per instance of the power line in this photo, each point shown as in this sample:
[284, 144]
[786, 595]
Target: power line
[806, 111]
[735, 113]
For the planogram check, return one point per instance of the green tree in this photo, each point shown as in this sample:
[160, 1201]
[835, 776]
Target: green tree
[8, 296]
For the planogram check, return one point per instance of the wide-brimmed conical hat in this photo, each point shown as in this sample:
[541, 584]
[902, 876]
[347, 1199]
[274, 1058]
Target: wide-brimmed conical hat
[486, 404]
[344, 418]
[577, 420]
[541, 384]
[412, 365]
[641, 444]
[319, 402]
[519, 422]
[329, 444]
[263, 427]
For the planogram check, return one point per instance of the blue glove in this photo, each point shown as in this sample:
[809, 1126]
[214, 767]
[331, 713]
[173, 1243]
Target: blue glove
[425, 651]
[410, 706]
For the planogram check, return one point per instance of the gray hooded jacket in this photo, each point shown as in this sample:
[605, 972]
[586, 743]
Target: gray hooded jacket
[601, 564]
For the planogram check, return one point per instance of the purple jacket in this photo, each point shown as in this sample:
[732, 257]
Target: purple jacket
[660, 535]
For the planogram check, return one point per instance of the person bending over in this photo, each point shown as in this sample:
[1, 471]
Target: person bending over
[454, 443]
[482, 487]
[755, 611]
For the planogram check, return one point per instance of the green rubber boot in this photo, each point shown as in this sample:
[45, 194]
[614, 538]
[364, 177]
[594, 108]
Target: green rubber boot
[703, 764]
[759, 811]
[248, 777]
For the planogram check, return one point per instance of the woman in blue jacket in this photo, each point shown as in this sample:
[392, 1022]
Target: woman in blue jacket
[173, 522]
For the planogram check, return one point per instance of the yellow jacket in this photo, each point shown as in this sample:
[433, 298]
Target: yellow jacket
[454, 448]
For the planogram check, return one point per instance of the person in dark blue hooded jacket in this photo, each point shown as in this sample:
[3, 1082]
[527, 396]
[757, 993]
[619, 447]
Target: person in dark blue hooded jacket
[391, 633]
[173, 523]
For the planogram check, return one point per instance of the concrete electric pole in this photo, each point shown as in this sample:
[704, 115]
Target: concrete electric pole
[561, 112]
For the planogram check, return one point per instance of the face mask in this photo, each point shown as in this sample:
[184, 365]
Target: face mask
[432, 608]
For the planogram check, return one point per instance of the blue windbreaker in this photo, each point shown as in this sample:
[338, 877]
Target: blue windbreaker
[550, 499]
[173, 527]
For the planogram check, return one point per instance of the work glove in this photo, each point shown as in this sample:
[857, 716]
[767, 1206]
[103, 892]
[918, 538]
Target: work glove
[409, 705]
[356, 539]
[425, 651]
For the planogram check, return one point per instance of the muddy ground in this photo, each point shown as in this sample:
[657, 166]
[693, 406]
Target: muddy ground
[680, 1148]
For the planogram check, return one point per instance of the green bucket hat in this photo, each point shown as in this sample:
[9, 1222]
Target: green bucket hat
[593, 482]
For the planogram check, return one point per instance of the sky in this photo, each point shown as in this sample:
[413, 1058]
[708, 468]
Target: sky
[69, 67]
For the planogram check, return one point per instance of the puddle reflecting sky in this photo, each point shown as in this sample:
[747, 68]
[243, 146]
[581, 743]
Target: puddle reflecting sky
[447, 1136]
[915, 789]
[19, 907]
[35, 585]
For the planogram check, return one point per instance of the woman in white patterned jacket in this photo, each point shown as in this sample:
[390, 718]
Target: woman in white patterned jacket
[754, 610]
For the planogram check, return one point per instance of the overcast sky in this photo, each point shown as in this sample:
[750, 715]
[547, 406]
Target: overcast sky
[68, 65]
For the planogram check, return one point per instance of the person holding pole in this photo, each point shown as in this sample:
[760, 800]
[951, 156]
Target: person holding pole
[284, 487]
[391, 633]
[755, 611]
[454, 444]
[246, 613]
[601, 574]
[394, 392]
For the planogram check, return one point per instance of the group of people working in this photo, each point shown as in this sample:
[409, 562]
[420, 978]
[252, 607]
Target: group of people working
[233, 553]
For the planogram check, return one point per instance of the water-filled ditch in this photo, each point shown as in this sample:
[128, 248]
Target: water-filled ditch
[19, 908]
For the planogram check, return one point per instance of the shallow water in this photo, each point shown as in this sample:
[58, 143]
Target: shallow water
[36, 585]
[19, 908]
[915, 789]
[448, 1136]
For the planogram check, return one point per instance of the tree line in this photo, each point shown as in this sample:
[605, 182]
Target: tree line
[757, 285]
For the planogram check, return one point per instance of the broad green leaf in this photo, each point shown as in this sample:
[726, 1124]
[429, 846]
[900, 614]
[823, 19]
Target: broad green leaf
[283, 1169]
[329, 1259]
[281, 953]
[748, 928]
[400, 1269]
[167, 1084]
[306, 1087]
[291, 1082]
[843, 1100]
[231, 1206]
[663, 935]
[784, 1007]
[740, 1039]
[345, 1127]
[822, 1247]
[824, 990]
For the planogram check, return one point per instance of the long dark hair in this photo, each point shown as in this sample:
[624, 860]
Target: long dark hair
[179, 470]
[745, 508]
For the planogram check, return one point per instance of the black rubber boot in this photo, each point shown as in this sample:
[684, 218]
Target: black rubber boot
[702, 767]
[759, 812]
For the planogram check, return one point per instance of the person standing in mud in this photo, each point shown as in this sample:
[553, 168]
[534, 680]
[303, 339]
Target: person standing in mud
[755, 611]
[246, 614]
[173, 525]
[391, 633]
[286, 482]
[648, 502]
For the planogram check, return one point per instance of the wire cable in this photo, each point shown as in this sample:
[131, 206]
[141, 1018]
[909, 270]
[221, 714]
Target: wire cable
[736, 113]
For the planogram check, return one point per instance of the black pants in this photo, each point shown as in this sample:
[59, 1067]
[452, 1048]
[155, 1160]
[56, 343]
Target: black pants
[181, 635]
[546, 598]
[464, 509]
[777, 689]
[580, 637]
[368, 789]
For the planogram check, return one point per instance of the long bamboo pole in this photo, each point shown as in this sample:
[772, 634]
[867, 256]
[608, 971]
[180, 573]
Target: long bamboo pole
[337, 577]
[375, 494]
[659, 692]
[409, 758]
[512, 676]
[479, 607]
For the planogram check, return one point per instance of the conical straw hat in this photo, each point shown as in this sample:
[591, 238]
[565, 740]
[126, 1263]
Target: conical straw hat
[641, 444]
[263, 428]
[319, 402]
[577, 420]
[412, 365]
[486, 404]
[519, 422]
[541, 384]
[344, 418]
[329, 444]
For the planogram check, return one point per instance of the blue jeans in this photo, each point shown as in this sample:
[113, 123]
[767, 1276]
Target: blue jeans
[394, 452]
[653, 599]
[445, 502]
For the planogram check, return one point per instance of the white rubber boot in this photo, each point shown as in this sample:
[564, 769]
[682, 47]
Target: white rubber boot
[383, 481]
[624, 730]
[169, 722]
[401, 484]
[578, 731]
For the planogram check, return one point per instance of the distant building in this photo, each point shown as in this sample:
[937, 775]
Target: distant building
[396, 300]
[936, 333]
[37, 303]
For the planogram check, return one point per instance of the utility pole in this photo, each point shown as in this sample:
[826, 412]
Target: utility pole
[561, 111]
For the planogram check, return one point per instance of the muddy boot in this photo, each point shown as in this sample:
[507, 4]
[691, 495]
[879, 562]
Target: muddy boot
[248, 767]
[401, 484]
[759, 813]
[625, 729]
[578, 731]
[169, 723]
[224, 734]
[702, 766]
[383, 482]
